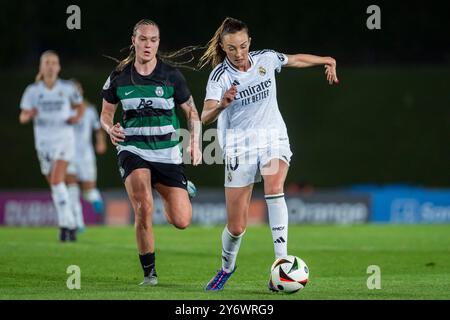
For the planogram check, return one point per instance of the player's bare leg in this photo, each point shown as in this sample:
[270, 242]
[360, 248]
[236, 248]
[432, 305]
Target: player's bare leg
[139, 192]
[177, 206]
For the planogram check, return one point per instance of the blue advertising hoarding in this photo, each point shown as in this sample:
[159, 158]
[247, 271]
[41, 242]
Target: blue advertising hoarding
[406, 204]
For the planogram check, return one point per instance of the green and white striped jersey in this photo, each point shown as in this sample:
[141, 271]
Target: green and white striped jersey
[148, 110]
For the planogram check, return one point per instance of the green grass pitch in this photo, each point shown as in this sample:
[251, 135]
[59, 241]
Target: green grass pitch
[414, 262]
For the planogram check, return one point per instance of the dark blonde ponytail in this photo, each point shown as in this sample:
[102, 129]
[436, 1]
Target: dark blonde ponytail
[169, 58]
[214, 53]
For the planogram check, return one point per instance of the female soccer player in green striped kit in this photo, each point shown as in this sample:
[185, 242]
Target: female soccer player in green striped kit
[149, 156]
[241, 96]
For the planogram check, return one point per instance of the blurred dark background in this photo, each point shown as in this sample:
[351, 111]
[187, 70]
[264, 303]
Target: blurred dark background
[388, 121]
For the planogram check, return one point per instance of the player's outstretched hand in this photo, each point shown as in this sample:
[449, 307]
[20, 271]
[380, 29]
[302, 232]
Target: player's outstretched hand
[330, 72]
[229, 96]
[116, 134]
[27, 115]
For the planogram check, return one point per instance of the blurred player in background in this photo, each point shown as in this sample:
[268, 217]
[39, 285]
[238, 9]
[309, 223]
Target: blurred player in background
[148, 146]
[50, 102]
[84, 165]
[241, 94]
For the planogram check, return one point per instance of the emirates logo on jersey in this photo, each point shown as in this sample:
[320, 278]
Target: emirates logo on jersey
[159, 91]
[262, 71]
[254, 90]
[253, 94]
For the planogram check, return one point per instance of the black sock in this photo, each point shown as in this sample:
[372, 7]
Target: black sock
[147, 262]
[63, 234]
[73, 234]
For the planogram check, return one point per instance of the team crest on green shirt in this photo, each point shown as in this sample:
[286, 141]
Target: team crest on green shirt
[159, 91]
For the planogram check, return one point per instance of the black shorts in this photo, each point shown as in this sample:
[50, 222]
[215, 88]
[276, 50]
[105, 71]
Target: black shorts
[168, 174]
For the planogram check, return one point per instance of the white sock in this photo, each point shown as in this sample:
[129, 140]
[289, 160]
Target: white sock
[77, 210]
[278, 221]
[61, 200]
[230, 249]
[92, 195]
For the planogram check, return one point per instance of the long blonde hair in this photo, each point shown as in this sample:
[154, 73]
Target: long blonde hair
[44, 54]
[214, 53]
[168, 58]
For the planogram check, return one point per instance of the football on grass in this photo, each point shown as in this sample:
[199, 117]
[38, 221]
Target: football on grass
[289, 274]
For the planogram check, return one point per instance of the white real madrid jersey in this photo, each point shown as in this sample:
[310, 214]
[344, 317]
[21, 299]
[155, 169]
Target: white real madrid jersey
[54, 108]
[83, 133]
[253, 119]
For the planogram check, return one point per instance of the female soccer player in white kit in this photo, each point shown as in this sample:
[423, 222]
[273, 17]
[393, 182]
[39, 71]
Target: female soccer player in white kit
[50, 103]
[84, 165]
[241, 95]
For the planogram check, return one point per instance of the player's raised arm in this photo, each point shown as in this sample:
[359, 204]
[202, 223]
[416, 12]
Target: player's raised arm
[115, 131]
[211, 111]
[212, 108]
[308, 60]
[195, 128]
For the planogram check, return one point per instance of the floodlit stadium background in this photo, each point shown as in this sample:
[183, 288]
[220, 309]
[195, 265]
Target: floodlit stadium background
[374, 148]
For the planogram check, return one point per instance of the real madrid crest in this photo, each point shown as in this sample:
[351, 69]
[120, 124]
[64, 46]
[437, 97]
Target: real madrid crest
[159, 91]
[262, 71]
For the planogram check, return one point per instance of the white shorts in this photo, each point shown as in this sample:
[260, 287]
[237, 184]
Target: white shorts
[60, 151]
[246, 168]
[85, 169]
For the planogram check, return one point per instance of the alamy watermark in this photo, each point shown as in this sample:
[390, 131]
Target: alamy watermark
[73, 22]
[235, 147]
[74, 280]
[374, 280]
[374, 20]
